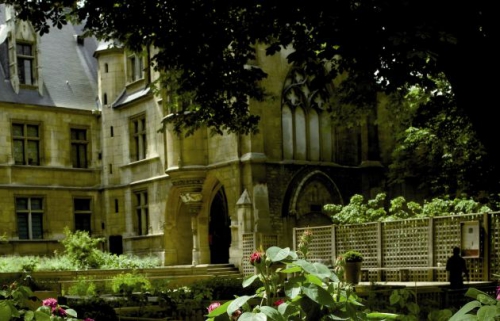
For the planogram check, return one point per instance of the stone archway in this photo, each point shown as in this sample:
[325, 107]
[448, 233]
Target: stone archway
[304, 200]
[219, 232]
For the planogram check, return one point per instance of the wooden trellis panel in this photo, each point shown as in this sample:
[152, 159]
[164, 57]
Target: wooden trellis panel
[253, 242]
[421, 245]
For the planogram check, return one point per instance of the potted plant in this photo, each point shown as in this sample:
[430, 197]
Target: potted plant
[352, 267]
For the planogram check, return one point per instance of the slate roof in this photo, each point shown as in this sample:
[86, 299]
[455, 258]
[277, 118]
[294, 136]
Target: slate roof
[68, 69]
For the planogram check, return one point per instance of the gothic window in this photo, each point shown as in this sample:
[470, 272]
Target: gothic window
[79, 144]
[82, 214]
[26, 142]
[138, 137]
[308, 133]
[142, 212]
[25, 63]
[135, 67]
[29, 213]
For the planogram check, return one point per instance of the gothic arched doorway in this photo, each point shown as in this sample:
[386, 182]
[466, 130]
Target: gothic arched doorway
[219, 232]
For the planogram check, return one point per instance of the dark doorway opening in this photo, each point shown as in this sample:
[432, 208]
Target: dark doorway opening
[116, 244]
[219, 232]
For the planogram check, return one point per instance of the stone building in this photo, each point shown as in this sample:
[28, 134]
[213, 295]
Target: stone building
[85, 144]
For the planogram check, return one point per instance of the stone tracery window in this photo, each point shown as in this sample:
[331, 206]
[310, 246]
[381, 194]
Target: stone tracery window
[307, 129]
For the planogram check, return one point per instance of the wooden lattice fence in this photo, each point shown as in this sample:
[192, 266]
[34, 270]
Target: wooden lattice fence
[251, 242]
[420, 247]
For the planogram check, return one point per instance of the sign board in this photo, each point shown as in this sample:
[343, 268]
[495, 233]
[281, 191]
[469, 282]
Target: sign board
[470, 239]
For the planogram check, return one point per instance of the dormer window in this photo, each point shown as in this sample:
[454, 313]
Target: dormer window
[25, 63]
[135, 68]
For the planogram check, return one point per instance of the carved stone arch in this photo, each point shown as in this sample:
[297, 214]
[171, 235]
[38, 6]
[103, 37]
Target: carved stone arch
[306, 195]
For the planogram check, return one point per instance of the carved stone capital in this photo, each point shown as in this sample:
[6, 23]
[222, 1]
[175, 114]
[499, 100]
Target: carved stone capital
[189, 198]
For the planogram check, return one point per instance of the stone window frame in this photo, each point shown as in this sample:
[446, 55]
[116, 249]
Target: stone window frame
[30, 213]
[141, 207]
[23, 57]
[76, 144]
[26, 139]
[138, 137]
[135, 67]
[82, 215]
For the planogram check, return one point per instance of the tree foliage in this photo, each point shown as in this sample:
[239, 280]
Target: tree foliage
[383, 45]
[206, 52]
[436, 146]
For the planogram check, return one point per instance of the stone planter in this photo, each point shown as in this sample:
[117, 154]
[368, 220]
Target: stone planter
[352, 272]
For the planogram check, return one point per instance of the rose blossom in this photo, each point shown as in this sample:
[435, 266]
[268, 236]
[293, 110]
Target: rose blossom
[213, 306]
[255, 258]
[280, 301]
[59, 311]
[51, 302]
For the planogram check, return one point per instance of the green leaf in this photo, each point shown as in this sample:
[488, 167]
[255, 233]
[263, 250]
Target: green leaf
[383, 316]
[5, 313]
[272, 313]
[460, 315]
[291, 269]
[276, 254]
[251, 316]
[474, 293]
[394, 298]
[248, 281]
[318, 269]
[292, 291]
[486, 299]
[237, 303]
[71, 313]
[314, 279]
[318, 294]
[487, 313]
[41, 316]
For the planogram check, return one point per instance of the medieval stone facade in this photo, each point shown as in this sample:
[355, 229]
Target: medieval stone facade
[84, 144]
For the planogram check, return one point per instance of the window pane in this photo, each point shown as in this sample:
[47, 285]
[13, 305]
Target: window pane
[21, 204]
[19, 152]
[82, 222]
[18, 130]
[82, 204]
[32, 131]
[33, 156]
[22, 226]
[36, 225]
[82, 156]
[36, 204]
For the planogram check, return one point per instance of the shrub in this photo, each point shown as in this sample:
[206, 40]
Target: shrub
[84, 286]
[127, 283]
[82, 249]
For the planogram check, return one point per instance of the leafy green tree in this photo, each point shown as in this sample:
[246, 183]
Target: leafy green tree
[206, 49]
[436, 147]
[383, 45]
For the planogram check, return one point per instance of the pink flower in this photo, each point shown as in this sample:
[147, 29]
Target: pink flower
[89, 319]
[280, 301]
[498, 292]
[255, 258]
[213, 306]
[51, 302]
[59, 311]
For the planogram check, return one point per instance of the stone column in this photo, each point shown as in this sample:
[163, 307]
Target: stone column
[193, 201]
